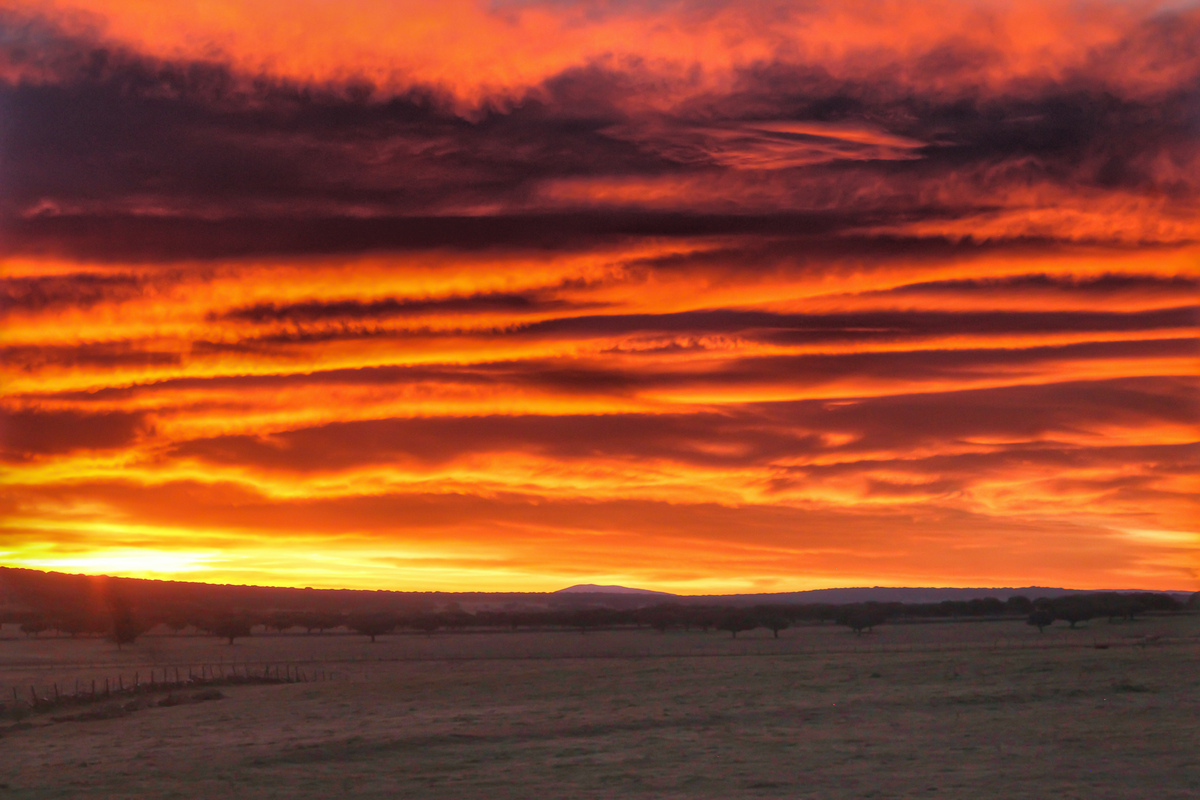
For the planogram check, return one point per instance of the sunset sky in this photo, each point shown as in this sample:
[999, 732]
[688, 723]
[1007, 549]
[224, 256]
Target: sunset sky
[702, 297]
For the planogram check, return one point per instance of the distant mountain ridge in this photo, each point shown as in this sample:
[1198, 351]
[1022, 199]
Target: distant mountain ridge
[593, 588]
[865, 594]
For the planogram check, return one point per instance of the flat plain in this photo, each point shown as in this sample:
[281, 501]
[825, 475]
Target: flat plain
[959, 709]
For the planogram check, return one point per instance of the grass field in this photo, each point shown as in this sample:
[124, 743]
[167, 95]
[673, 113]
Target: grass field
[969, 710]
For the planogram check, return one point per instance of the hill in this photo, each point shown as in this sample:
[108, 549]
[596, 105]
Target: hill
[592, 588]
[903, 594]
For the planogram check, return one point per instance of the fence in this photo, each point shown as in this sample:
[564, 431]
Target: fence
[19, 701]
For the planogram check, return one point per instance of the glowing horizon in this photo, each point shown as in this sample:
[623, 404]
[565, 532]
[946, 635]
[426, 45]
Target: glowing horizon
[698, 297]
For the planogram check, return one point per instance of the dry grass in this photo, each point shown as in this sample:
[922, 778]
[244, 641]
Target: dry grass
[638, 714]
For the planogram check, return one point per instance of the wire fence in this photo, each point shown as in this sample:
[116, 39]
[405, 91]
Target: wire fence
[19, 701]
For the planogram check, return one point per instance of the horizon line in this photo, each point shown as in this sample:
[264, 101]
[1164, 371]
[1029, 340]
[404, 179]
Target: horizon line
[633, 589]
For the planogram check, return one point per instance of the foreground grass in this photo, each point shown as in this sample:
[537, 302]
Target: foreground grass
[980, 723]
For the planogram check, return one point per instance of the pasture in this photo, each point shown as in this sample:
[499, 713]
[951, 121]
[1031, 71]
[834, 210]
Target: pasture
[957, 709]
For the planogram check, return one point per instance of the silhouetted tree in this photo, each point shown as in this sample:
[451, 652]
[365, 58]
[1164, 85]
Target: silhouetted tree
[1074, 610]
[373, 624]
[704, 618]
[318, 621]
[425, 623]
[660, 618]
[457, 620]
[230, 627]
[1042, 618]
[861, 618]
[774, 622]
[985, 607]
[586, 618]
[176, 620]
[75, 623]
[1019, 604]
[282, 621]
[499, 619]
[950, 608]
[125, 626]
[1132, 607]
[33, 626]
[737, 621]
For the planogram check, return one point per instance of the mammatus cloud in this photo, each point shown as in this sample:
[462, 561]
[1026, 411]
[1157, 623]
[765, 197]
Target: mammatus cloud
[704, 296]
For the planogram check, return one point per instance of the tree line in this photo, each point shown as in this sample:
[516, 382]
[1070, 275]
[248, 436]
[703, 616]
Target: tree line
[122, 622]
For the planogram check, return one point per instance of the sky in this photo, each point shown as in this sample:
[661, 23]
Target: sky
[702, 297]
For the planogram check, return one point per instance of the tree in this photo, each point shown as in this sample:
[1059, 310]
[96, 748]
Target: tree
[703, 618]
[1019, 604]
[1132, 607]
[373, 624]
[1074, 610]
[318, 621]
[78, 622]
[985, 607]
[660, 618]
[584, 619]
[775, 623]
[457, 620]
[281, 621]
[176, 621]
[126, 628]
[230, 626]
[426, 623]
[737, 621]
[861, 618]
[1042, 618]
[33, 626]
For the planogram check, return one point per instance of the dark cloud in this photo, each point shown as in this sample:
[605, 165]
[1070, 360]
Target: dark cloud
[502, 302]
[1107, 284]
[157, 239]
[925, 365]
[1012, 414]
[1091, 470]
[79, 290]
[1029, 418]
[310, 323]
[431, 441]
[797, 328]
[602, 377]
[29, 433]
[32, 359]
[276, 167]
